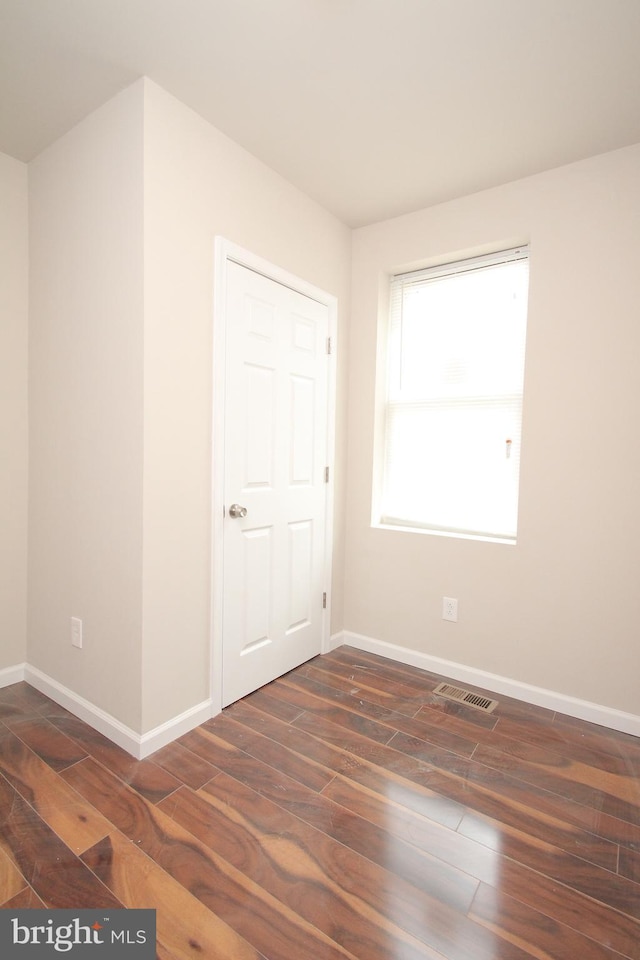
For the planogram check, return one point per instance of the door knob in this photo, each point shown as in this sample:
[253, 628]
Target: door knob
[236, 511]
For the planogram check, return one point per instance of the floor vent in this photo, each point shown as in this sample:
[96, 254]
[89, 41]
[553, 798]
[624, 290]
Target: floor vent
[466, 696]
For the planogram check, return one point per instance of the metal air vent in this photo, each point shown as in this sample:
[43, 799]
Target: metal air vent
[466, 696]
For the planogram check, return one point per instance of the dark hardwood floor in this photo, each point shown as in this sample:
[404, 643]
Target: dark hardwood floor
[343, 811]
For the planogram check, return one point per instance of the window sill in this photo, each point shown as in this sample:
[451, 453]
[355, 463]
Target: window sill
[451, 534]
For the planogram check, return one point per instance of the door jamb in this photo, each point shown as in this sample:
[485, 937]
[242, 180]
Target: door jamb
[226, 251]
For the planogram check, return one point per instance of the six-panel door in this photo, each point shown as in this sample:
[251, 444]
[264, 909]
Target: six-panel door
[275, 458]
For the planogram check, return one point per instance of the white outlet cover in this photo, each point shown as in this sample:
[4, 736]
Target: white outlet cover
[450, 609]
[76, 632]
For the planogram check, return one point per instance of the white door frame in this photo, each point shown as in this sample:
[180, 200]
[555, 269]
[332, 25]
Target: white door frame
[226, 251]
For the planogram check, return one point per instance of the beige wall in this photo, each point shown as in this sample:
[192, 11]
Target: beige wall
[124, 212]
[86, 366]
[199, 184]
[561, 609]
[13, 411]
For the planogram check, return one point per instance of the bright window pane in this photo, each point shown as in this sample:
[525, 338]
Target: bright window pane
[452, 447]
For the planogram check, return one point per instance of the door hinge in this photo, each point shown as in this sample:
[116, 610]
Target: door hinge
[326, 474]
[324, 601]
[329, 345]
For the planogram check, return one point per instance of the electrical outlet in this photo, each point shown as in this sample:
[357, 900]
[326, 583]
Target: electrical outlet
[76, 632]
[450, 609]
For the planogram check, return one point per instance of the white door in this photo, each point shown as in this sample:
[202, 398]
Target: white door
[275, 489]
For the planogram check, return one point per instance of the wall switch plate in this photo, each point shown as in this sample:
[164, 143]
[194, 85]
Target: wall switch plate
[450, 609]
[76, 632]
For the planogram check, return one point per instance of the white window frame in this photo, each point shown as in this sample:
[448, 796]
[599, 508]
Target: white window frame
[398, 283]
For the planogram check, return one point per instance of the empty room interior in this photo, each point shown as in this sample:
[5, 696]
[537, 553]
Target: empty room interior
[264, 488]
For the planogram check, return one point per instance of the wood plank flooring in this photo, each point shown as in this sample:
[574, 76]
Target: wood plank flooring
[343, 812]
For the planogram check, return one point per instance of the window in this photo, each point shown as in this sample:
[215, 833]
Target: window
[454, 401]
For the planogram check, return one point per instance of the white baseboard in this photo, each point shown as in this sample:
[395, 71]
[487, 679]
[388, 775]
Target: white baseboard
[138, 745]
[11, 675]
[493, 683]
[167, 732]
[143, 745]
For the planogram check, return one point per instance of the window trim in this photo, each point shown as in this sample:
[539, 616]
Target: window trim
[395, 283]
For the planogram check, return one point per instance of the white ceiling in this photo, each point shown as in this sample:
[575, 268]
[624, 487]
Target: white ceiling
[372, 107]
